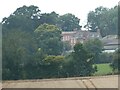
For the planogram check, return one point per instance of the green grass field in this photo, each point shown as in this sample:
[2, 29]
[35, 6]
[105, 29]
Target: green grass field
[103, 69]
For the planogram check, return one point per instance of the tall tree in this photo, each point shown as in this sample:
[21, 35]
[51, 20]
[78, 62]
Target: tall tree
[68, 22]
[25, 18]
[104, 19]
[95, 47]
[81, 63]
[49, 39]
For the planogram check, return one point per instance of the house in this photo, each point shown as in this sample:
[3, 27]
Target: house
[110, 42]
[69, 37]
[79, 36]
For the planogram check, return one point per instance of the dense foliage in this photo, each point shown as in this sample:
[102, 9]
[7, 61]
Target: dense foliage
[95, 47]
[116, 61]
[83, 61]
[104, 19]
[32, 46]
[49, 39]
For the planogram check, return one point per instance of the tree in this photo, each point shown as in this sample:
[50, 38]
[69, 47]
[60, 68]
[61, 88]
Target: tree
[49, 39]
[95, 47]
[116, 60]
[34, 68]
[53, 66]
[25, 18]
[18, 48]
[69, 22]
[49, 18]
[105, 57]
[81, 63]
[68, 69]
[104, 19]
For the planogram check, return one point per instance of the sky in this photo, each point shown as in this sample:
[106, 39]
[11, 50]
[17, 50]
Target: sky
[80, 8]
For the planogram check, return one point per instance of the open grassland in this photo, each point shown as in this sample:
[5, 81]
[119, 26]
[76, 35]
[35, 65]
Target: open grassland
[103, 69]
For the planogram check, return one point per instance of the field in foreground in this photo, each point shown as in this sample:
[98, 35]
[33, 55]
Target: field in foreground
[78, 82]
[103, 69]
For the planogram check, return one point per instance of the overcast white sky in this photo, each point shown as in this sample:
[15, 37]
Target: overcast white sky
[79, 8]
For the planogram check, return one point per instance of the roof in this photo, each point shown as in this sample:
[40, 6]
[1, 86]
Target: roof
[71, 32]
[110, 39]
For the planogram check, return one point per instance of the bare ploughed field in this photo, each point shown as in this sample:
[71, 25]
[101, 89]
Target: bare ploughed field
[76, 82]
